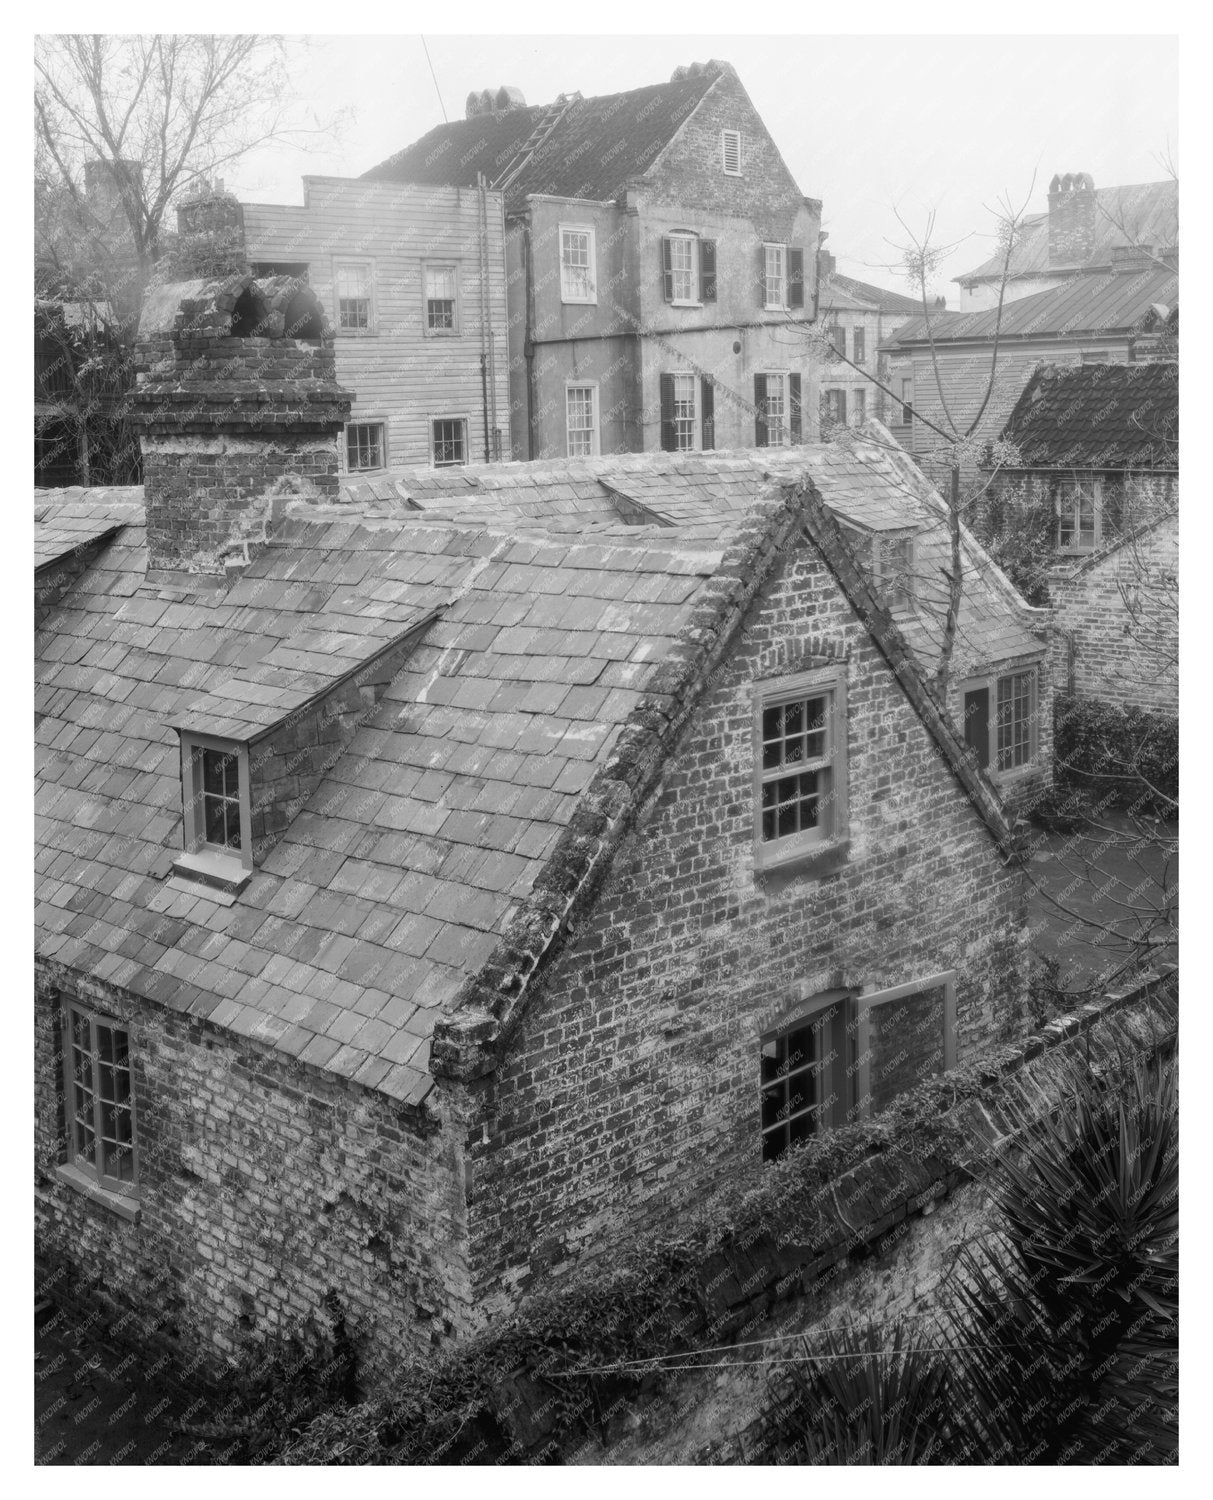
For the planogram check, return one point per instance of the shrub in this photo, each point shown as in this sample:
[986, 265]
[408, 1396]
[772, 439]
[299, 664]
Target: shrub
[1128, 757]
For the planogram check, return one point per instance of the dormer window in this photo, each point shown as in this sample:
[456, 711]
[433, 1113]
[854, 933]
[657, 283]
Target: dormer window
[893, 564]
[217, 813]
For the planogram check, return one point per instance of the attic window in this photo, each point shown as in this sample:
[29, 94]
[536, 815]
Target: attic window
[730, 152]
[800, 768]
[217, 812]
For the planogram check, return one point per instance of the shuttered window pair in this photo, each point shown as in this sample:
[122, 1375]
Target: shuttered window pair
[685, 423]
[780, 276]
[688, 268]
[778, 414]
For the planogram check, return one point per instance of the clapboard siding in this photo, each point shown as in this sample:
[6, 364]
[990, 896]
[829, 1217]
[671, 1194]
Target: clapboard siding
[400, 374]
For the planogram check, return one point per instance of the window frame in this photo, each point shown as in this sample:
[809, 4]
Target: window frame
[686, 237]
[456, 328]
[367, 265]
[725, 137]
[580, 301]
[835, 1065]
[1075, 488]
[896, 603]
[859, 345]
[381, 423]
[595, 431]
[821, 844]
[696, 435]
[76, 1169]
[785, 426]
[200, 857]
[869, 1000]
[783, 305]
[431, 423]
[991, 681]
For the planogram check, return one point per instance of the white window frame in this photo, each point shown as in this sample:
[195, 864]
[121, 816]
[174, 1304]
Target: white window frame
[991, 682]
[785, 425]
[199, 857]
[730, 138]
[381, 423]
[595, 434]
[79, 1170]
[897, 602]
[830, 834]
[456, 301]
[696, 442]
[682, 236]
[567, 295]
[467, 439]
[360, 264]
[870, 1000]
[1068, 495]
[780, 253]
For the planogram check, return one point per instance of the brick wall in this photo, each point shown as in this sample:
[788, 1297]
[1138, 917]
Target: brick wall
[632, 1079]
[266, 1185]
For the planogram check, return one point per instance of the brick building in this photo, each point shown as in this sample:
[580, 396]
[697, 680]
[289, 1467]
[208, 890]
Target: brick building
[1096, 482]
[857, 318]
[436, 879]
[661, 265]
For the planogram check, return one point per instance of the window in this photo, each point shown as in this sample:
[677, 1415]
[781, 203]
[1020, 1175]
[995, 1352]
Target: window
[730, 152]
[859, 346]
[778, 413]
[577, 280]
[893, 557]
[581, 420]
[449, 441]
[215, 792]
[364, 446]
[838, 340]
[100, 1104]
[775, 282]
[440, 299]
[805, 1077]
[799, 767]
[780, 277]
[836, 406]
[907, 396]
[1089, 513]
[353, 297]
[684, 268]
[1000, 720]
[860, 400]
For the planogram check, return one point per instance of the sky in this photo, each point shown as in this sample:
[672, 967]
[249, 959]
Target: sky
[873, 125]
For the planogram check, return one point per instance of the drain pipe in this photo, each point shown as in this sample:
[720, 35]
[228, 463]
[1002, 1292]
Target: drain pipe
[492, 334]
[482, 226]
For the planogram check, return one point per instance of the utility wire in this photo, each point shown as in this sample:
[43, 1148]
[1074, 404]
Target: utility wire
[434, 76]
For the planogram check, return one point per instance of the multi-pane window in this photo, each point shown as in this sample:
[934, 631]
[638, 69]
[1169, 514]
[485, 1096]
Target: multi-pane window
[730, 152]
[100, 1103]
[776, 411]
[220, 792]
[1014, 720]
[907, 396]
[353, 298]
[440, 299]
[450, 442]
[895, 570]
[580, 413]
[1077, 515]
[364, 446]
[860, 399]
[577, 281]
[684, 412]
[775, 281]
[804, 1079]
[795, 767]
[683, 268]
[836, 406]
[838, 340]
[859, 343]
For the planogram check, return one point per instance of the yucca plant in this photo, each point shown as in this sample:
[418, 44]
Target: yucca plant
[1065, 1325]
[864, 1397]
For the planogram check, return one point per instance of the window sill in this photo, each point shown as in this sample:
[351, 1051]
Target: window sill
[810, 859]
[677, 302]
[357, 333]
[579, 301]
[126, 1207]
[218, 872]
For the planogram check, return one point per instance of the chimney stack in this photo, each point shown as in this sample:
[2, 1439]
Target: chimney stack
[1071, 219]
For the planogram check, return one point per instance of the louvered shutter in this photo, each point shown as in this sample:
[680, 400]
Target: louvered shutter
[707, 414]
[667, 268]
[669, 442]
[707, 270]
[795, 277]
[760, 411]
[794, 408]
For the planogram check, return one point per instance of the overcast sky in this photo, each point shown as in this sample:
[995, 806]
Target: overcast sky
[868, 124]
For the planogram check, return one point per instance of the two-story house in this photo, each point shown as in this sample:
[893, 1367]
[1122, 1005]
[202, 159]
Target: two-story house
[856, 319]
[661, 265]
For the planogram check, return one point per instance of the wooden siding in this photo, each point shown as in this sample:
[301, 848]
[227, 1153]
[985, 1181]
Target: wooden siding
[401, 375]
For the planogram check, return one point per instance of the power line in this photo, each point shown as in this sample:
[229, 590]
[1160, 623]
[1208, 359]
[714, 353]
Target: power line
[434, 76]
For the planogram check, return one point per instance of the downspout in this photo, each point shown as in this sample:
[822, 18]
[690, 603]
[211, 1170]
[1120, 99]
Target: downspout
[482, 226]
[493, 338]
[528, 344]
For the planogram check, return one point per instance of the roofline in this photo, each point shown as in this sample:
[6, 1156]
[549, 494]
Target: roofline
[1135, 535]
[468, 1042]
[99, 540]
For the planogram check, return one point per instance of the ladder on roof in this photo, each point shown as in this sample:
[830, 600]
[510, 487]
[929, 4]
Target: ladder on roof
[549, 118]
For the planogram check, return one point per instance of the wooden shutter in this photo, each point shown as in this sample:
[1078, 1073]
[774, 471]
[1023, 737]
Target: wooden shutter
[760, 411]
[794, 408]
[707, 270]
[762, 275]
[667, 268]
[795, 277]
[669, 442]
[842, 407]
[707, 414]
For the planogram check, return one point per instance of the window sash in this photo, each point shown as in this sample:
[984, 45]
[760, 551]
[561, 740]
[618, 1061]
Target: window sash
[353, 297]
[1078, 517]
[775, 285]
[1013, 721]
[100, 1098]
[450, 442]
[684, 268]
[776, 412]
[858, 336]
[440, 294]
[795, 774]
[685, 416]
[577, 265]
[581, 420]
[364, 446]
[798, 1066]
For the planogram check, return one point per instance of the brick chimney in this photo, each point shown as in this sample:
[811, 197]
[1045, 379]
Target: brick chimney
[236, 397]
[1071, 219]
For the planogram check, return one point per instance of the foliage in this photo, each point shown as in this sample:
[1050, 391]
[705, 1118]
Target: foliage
[1016, 529]
[1127, 757]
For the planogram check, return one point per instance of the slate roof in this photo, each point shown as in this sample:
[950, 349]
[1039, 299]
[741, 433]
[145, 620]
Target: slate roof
[1148, 210]
[842, 291]
[1098, 417]
[401, 876]
[1111, 302]
[599, 146]
[67, 521]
